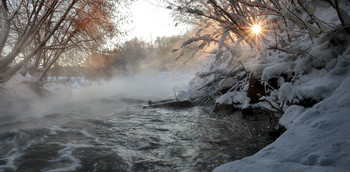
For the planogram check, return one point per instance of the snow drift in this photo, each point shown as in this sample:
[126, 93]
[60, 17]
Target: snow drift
[317, 139]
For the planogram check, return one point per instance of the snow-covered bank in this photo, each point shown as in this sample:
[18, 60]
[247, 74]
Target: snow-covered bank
[307, 83]
[317, 138]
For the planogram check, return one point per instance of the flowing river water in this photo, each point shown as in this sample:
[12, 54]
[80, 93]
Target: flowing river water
[119, 135]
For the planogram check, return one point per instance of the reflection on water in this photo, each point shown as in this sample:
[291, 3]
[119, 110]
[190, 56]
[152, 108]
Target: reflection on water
[129, 139]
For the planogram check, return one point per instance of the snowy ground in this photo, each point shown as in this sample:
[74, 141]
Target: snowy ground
[317, 139]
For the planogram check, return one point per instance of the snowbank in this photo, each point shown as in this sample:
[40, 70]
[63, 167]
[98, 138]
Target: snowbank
[318, 138]
[16, 88]
[66, 83]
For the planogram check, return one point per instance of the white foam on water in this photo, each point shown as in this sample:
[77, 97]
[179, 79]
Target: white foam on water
[10, 160]
[65, 155]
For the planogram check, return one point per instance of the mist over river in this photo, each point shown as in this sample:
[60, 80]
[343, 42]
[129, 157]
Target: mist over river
[106, 128]
[126, 137]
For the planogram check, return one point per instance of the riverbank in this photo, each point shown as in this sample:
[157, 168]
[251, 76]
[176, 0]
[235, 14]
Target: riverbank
[309, 92]
[317, 138]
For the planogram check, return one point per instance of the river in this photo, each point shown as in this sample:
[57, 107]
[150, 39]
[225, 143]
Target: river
[113, 134]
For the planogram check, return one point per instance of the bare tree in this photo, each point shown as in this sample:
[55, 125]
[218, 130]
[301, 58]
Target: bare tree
[37, 33]
[232, 20]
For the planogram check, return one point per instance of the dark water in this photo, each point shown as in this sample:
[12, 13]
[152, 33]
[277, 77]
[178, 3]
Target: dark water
[125, 137]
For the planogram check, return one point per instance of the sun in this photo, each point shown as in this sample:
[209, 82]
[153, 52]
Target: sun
[256, 29]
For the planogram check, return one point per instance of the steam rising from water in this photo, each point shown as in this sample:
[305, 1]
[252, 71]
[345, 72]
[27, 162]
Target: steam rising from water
[95, 100]
[19, 101]
[139, 86]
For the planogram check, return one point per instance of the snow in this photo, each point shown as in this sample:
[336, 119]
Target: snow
[318, 137]
[316, 140]
[320, 84]
[233, 98]
[286, 92]
[292, 113]
[276, 69]
[17, 89]
[64, 83]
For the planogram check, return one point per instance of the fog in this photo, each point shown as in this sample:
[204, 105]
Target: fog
[102, 97]
[148, 80]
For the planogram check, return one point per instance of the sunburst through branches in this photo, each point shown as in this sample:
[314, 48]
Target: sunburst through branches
[256, 31]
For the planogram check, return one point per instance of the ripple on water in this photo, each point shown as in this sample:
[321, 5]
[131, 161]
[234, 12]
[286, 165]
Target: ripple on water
[134, 139]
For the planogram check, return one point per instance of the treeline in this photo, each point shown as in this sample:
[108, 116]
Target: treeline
[159, 54]
[131, 57]
[135, 56]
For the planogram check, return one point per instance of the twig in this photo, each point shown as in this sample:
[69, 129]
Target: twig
[243, 67]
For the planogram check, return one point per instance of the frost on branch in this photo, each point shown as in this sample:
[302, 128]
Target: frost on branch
[203, 38]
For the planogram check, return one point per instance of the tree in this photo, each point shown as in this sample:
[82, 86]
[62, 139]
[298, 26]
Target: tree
[232, 20]
[37, 33]
[135, 54]
[131, 53]
[298, 28]
[99, 65]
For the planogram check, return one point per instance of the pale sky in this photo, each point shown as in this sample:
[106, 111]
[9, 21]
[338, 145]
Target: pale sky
[150, 21]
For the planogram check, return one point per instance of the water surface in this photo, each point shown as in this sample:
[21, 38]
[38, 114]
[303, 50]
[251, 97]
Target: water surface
[120, 135]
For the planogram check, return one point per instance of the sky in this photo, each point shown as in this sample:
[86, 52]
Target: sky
[151, 19]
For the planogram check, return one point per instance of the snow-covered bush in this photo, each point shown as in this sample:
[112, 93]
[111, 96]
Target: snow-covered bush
[298, 43]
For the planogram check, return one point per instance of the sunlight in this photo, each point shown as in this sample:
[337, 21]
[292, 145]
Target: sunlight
[256, 29]
[151, 19]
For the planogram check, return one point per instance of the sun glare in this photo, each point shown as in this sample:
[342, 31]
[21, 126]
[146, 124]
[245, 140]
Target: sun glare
[256, 29]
